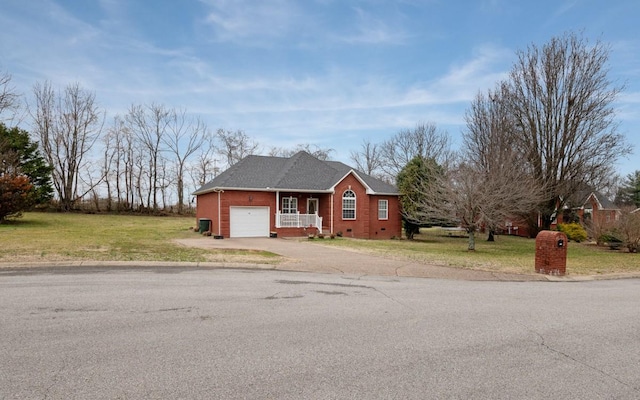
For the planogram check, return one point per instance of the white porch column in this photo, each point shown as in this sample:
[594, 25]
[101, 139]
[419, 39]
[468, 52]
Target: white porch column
[331, 214]
[277, 209]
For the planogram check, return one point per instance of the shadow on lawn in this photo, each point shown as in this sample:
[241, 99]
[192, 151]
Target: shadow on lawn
[26, 223]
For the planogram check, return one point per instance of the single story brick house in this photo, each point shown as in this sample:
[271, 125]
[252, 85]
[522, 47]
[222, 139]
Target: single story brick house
[262, 196]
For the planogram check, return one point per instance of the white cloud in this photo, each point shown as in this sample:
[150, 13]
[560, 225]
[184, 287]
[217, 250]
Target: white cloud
[565, 7]
[374, 30]
[251, 22]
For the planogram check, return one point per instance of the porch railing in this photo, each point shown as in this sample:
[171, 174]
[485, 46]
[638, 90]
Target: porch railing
[298, 221]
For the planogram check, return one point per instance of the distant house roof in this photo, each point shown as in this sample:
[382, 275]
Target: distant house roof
[582, 200]
[603, 202]
[300, 172]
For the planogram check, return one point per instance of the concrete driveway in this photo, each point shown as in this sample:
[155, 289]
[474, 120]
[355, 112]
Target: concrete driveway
[303, 255]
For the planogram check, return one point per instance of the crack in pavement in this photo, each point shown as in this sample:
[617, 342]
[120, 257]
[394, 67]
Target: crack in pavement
[276, 297]
[544, 344]
[55, 378]
[288, 282]
[394, 300]
[350, 285]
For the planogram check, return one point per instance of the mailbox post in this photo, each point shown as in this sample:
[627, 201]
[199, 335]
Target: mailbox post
[551, 253]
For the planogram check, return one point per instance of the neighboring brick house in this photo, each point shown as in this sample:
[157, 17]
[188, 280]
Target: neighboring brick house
[263, 196]
[589, 207]
[594, 207]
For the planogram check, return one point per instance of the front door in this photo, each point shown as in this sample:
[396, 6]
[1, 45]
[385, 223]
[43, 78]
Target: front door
[312, 206]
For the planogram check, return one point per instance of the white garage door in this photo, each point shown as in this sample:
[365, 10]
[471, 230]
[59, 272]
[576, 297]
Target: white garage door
[249, 221]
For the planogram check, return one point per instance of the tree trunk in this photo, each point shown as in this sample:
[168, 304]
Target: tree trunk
[491, 237]
[180, 193]
[472, 241]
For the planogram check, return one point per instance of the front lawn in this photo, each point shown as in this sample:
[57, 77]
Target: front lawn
[506, 254]
[44, 237]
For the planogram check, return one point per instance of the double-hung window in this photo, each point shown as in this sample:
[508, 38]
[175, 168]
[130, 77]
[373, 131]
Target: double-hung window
[348, 205]
[383, 209]
[289, 205]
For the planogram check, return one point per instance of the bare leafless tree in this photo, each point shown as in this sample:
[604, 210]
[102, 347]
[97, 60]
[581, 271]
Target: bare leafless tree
[115, 164]
[149, 124]
[313, 149]
[9, 98]
[109, 157]
[562, 104]
[235, 145]
[464, 194]
[425, 140]
[205, 168]
[185, 136]
[482, 200]
[627, 228]
[68, 125]
[506, 186]
[166, 181]
[140, 178]
[368, 158]
[119, 164]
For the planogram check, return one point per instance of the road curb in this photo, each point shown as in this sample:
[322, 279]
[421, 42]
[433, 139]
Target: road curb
[68, 266]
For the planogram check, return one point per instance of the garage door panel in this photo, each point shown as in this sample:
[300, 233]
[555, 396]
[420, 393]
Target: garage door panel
[249, 221]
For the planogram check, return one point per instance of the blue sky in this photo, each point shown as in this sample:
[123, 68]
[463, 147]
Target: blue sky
[324, 72]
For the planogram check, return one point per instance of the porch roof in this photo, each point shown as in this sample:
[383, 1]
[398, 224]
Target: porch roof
[300, 172]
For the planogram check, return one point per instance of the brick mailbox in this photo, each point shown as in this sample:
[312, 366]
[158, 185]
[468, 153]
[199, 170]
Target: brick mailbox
[551, 253]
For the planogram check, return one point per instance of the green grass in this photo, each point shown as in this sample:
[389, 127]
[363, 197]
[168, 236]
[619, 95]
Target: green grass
[43, 237]
[74, 237]
[506, 254]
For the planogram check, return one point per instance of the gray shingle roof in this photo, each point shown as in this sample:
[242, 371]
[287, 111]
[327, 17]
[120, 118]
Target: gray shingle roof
[583, 196]
[300, 172]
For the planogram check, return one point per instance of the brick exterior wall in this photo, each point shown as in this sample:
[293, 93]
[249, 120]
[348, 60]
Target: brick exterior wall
[354, 228]
[385, 228]
[206, 207]
[551, 259]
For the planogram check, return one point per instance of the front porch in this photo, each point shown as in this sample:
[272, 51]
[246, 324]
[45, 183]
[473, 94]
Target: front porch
[297, 220]
[299, 214]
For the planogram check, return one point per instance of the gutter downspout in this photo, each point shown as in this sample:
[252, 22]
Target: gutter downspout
[219, 221]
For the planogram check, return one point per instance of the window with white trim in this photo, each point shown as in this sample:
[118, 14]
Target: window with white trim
[348, 205]
[289, 205]
[383, 209]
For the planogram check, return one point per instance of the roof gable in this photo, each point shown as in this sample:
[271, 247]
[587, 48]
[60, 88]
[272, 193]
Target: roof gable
[300, 172]
[584, 198]
[601, 201]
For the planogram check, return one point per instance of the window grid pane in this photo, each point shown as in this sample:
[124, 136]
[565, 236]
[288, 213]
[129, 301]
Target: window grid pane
[349, 205]
[289, 205]
[383, 209]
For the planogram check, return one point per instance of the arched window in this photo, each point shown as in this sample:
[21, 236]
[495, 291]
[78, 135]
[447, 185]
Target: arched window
[348, 205]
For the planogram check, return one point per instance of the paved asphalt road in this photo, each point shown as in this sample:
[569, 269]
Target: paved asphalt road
[170, 333]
